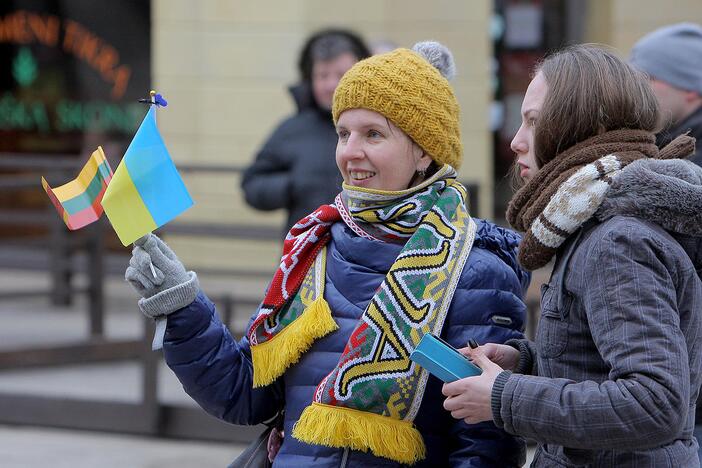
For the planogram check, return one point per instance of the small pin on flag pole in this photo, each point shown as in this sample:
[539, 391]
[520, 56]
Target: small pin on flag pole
[154, 99]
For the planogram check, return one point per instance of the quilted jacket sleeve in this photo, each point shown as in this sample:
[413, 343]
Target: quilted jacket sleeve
[216, 370]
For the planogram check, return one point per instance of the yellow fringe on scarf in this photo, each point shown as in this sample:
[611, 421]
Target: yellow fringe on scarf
[336, 426]
[272, 357]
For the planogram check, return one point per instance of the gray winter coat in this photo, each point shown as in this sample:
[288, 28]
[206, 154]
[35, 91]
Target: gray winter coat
[616, 367]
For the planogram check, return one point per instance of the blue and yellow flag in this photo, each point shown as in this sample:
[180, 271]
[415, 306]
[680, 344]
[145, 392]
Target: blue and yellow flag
[146, 190]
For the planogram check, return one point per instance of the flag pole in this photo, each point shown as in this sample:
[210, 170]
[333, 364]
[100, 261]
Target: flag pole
[151, 100]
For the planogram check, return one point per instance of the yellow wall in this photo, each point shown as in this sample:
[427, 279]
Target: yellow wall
[224, 66]
[620, 23]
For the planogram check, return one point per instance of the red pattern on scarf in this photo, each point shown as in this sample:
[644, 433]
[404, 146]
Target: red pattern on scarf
[302, 244]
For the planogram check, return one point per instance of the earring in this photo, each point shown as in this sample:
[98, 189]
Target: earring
[422, 172]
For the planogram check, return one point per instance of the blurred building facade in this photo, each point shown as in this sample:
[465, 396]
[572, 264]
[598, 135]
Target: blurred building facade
[225, 65]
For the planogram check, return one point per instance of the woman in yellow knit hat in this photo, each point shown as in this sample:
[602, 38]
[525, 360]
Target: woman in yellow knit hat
[395, 256]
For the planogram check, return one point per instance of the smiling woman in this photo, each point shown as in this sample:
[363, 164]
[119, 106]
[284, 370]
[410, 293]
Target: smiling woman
[373, 153]
[361, 281]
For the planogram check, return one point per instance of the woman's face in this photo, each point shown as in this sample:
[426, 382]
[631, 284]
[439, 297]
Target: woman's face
[523, 142]
[373, 153]
[326, 75]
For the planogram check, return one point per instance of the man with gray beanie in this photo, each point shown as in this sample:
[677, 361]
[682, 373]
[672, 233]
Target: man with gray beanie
[672, 57]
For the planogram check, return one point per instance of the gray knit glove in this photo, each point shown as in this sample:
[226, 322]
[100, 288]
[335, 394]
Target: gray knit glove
[160, 278]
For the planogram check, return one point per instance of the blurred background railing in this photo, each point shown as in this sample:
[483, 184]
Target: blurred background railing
[61, 256]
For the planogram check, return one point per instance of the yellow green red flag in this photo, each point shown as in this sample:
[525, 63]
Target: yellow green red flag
[78, 201]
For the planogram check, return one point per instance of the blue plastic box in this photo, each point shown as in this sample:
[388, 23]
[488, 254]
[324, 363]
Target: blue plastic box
[442, 360]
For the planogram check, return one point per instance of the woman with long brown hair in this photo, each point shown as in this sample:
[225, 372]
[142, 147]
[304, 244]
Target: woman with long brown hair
[613, 376]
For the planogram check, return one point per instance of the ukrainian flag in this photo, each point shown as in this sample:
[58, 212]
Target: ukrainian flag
[78, 201]
[146, 190]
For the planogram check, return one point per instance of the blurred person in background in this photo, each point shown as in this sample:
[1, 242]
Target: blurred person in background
[672, 58]
[295, 168]
[361, 281]
[614, 373]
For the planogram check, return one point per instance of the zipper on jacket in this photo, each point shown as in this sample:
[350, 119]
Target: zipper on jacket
[344, 458]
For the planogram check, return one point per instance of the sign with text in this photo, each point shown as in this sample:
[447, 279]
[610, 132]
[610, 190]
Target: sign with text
[72, 71]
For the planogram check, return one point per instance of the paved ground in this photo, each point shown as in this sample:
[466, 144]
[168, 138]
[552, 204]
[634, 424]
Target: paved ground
[30, 447]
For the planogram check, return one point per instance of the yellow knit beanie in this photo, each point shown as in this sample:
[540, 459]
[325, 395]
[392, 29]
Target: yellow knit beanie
[406, 88]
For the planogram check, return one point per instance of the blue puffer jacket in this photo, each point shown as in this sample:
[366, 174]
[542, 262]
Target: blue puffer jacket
[216, 370]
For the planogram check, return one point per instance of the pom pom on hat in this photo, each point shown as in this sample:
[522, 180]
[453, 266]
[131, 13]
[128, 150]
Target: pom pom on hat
[438, 55]
[411, 88]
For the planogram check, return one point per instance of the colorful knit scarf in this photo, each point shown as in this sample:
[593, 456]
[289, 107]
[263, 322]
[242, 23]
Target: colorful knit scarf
[369, 400]
[568, 190]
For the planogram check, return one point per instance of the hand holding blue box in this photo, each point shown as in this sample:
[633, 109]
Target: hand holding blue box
[442, 360]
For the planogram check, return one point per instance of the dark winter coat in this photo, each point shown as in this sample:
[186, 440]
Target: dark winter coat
[296, 167]
[216, 370]
[692, 124]
[616, 366]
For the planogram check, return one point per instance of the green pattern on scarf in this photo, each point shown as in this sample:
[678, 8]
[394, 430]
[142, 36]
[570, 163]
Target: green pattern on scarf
[375, 374]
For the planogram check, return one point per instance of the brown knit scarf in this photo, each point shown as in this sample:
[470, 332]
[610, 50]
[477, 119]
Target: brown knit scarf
[567, 190]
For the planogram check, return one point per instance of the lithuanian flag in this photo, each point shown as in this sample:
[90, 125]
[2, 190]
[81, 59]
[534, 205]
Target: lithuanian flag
[78, 201]
[146, 190]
